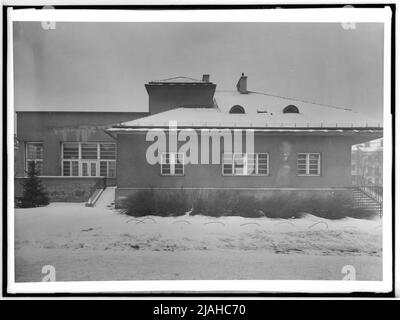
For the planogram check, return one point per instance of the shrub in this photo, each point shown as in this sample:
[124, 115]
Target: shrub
[147, 202]
[283, 205]
[219, 203]
[34, 194]
[213, 204]
[173, 203]
[332, 207]
[245, 206]
[335, 206]
[139, 204]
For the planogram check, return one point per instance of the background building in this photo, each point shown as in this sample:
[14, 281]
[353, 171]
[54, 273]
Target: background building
[367, 163]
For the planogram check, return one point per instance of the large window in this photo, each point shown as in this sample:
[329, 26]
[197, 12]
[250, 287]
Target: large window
[34, 154]
[172, 164]
[309, 164]
[245, 164]
[88, 159]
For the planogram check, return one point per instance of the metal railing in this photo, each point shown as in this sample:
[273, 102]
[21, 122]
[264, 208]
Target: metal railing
[373, 191]
[371, 197]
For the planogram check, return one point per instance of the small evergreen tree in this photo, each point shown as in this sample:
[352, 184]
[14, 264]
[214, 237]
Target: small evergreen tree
[34, 194]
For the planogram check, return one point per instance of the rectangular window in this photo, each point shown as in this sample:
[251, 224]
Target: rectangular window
[172, 164]
[103, 168]
[74, 168]
[309, 164]
[107, 168]
[70, 168]
[227, 164]
[107, 151]
[34, 154]
[263, 163]
[108, 155]
[112, 169]
[245, 164]
[71, 150]
[239, 164]
[89, 151]
[88, 159]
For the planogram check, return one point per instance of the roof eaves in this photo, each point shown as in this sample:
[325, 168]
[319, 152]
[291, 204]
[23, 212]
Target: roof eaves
[152, 83]
[293, 128]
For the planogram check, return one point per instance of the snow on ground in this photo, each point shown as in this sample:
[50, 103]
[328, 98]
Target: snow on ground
[101, 244]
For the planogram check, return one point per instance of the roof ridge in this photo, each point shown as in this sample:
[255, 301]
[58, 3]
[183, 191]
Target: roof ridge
[177, 77]
[302, 100]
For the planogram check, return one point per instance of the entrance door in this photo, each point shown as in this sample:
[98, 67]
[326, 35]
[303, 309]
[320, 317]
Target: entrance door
[89, 168]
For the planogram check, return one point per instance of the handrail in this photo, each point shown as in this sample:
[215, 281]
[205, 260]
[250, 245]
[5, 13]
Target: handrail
[373, 191]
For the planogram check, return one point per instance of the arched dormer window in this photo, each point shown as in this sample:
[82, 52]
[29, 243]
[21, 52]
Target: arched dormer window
[237, 109]
[291, 109]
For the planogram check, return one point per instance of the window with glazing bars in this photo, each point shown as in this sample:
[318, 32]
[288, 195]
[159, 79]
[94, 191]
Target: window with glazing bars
[88, 159]
[245, 164]
[309, 164]
[172, 164]
[34, 154]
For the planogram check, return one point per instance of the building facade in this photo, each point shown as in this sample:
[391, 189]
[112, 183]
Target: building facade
[244, 140]
[71, 151]
[193, 137]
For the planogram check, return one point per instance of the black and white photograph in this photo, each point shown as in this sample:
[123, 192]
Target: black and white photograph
[199, 150]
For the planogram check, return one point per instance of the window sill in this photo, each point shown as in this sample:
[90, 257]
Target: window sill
[245, 175]
[55, 177]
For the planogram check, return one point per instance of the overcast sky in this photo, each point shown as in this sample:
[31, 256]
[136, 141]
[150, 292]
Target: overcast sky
[104, 66]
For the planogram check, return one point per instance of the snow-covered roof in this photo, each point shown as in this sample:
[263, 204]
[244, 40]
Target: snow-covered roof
[369, 149]
[372, 146]
[261, 111]
[177, 80]
[272, 106]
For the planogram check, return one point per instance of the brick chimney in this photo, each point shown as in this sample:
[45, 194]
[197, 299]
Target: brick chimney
[206, 78]
[242, 84]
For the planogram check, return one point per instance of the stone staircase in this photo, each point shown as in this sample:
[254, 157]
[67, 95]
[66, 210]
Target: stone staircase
[367, 200]
[107, 198]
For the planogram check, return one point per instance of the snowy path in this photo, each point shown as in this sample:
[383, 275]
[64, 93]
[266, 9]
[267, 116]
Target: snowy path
[100, 243]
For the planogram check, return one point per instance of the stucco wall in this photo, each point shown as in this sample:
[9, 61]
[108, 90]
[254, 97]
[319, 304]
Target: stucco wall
[52, 128]
[133, 171]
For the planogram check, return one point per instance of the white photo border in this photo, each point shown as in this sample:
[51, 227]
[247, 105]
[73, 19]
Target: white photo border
[379, 15]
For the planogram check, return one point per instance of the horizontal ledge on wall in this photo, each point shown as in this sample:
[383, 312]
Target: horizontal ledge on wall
[68, 177]
[255, 188]
[274, 130]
